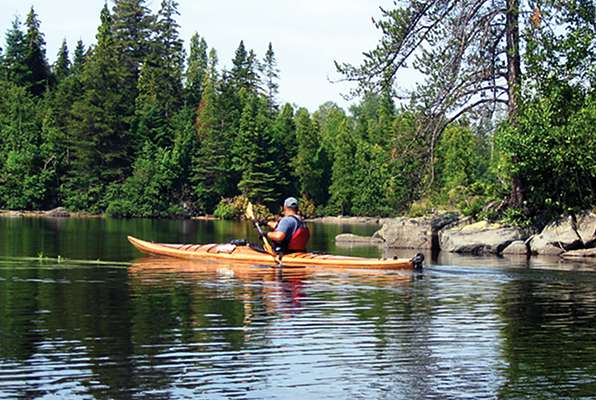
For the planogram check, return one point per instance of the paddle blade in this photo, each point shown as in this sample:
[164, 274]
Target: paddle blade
[250, 212]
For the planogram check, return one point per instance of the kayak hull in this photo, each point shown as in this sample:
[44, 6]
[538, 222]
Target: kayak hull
[244, 254]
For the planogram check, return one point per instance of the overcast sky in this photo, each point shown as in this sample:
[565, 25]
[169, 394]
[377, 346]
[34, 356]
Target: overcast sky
[307, 35]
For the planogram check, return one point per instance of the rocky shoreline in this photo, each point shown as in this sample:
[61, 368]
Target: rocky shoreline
[570, 237]
[59, 212]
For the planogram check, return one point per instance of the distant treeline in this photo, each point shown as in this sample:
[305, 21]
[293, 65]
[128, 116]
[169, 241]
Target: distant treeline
[134, 126]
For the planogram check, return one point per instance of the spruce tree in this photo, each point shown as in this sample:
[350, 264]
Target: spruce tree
[132, 27]
[254, 152]
[160, 80]
[342, 181]
[270, 73]
[244, 72]
[35, 56]
[100, 132]
[79, 57]
[284, 136]
[210, 169]
[195, 73]
[24, 175]
[311, 162]
[61, 67]
[15, 67]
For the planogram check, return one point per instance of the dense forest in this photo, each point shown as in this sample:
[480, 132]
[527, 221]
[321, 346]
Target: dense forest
[134, 125]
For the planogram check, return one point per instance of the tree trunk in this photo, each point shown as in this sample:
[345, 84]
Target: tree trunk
[513, 85]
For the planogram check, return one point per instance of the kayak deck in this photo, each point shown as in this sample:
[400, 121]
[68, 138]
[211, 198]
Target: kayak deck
[245, 254]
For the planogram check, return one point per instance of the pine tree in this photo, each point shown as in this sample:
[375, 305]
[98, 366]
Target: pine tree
[284, 136]
[244, 69]
[160, 80]
[270, 73]
[61, 67]
[342, 181]
[24, 179]
[100, 132]
[35, 57]
[195, 73]
[254, 152]
[79, 57]
[210, 162]
[15, 67]
[132, 27]
[311, 162]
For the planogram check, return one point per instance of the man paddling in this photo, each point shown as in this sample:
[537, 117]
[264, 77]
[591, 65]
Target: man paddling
[290, 233]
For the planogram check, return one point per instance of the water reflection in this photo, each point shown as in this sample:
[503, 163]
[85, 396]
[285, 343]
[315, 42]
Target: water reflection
[161, 328]
[549, 336]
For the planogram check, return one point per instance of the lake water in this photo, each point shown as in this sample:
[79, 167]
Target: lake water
[129, 326]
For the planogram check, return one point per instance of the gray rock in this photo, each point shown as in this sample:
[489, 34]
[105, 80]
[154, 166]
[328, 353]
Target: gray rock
[581, 253]
[348, 238]
[440, 221]
[345, 220]
[406, 233]
[59, 212]
[586, 228]
[517, 247]
[556, 238]
[478, 238]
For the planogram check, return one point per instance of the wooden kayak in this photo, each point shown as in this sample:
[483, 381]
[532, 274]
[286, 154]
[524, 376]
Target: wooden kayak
[245, 254]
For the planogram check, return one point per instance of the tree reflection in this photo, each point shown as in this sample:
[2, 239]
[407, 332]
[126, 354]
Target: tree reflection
[549, 337]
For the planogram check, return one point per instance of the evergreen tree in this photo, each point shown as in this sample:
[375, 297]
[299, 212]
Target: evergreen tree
[100, 132]
[35, 56]
[210, 167]
[284, 134]
[15, 67]
[270, 73]
[24, 176]
[244, 69]
[195, 73]
[61, 67]
[79, 57]
[254, 152]
[160, 81]
[132, 27]
[311, 162]
[342, 181]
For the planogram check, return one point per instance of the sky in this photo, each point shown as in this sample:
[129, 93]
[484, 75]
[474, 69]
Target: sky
[307, 35]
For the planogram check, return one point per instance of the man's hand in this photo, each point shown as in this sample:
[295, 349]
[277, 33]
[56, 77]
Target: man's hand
[272, 224]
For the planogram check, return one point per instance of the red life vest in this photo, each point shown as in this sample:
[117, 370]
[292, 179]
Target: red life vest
[300, 237]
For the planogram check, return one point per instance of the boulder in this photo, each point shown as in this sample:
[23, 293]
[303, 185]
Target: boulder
[586, 228]
[406, 233]
[556, 238]
[581, 253]
[478, 238]
[517, 247]
[413, 233]
[348, 238]
[59, 212]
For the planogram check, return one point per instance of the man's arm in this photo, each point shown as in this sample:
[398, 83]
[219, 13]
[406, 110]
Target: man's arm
[277, 236]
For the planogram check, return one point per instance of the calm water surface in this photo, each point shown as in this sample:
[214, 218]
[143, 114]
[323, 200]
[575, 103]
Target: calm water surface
[130, 326]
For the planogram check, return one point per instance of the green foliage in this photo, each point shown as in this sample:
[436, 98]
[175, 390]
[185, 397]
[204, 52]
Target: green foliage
[124, 129]
[235, 208]
[198, 63]
[254, 153]
[35, 56]
[147, 193]
[311, 164]
[553, 150]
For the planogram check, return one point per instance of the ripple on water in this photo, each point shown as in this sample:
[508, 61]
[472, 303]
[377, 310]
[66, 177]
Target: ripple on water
[225, 333]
